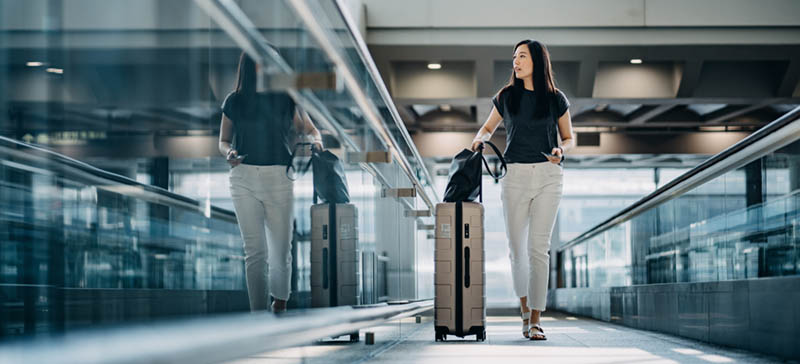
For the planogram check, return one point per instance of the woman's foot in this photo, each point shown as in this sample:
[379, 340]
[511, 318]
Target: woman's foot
[526, 317]
[535, 332]
[278, 306]
[525, 312]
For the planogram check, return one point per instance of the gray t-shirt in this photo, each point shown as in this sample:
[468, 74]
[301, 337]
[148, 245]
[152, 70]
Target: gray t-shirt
[261, 127]
[526, 135]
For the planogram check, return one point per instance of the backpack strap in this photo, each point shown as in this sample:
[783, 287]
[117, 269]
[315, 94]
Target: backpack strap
[303, 169]
[497, 175]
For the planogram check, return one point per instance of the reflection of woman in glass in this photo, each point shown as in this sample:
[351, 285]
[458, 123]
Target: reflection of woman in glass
[255, 137]
[534, 113]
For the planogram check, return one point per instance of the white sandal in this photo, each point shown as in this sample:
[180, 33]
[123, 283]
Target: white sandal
[526, 316]
[536, 333]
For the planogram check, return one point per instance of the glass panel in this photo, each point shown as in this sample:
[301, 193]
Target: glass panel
[742, 224]
[133, 90]
[113, 84]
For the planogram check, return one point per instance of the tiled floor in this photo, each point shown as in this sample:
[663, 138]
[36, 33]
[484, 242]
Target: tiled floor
[570, 340]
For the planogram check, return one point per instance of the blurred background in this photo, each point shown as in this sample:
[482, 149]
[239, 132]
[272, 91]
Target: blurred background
[114, 199]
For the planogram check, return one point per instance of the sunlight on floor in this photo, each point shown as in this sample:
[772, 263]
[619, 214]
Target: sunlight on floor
[499, 319]
[570, 340]
[687, 351]
[716, 358]
[480, 353]
[292, 354]
[713, 358]
[503, 330]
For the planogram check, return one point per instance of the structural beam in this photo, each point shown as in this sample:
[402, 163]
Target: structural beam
[739, 112]
[656, 111]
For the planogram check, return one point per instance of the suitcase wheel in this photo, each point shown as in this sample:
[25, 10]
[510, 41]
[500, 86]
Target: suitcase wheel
[481, 336]
[354, 338]
[440, 336]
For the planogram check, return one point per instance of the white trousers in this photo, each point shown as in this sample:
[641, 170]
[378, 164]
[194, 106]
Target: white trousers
[531, 194]
[264, 202]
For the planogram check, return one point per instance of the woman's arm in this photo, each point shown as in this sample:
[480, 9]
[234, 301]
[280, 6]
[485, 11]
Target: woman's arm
[565, 129]
[225, 137]
[302, 123]
[567, 139]
[488, 128]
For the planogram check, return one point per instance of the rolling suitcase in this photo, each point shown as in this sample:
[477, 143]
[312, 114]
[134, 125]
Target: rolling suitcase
[460, 302]
[335, 258]
[460, 266]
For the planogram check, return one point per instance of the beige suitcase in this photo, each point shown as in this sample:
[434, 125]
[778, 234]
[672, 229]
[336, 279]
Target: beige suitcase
[460, 297]
[335, 257]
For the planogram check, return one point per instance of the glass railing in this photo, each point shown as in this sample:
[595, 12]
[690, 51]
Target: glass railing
[83, 246]
[356, 111]
[356, 107]
[735, 216]
[136, 88]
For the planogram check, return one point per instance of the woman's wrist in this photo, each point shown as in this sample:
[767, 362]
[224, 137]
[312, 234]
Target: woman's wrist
[314, 135]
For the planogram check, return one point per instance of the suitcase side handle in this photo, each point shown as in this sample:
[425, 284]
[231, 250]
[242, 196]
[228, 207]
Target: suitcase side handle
[466, 267]
[325, 268]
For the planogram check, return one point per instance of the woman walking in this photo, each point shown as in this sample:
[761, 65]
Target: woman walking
[535, 113]
[255, 137]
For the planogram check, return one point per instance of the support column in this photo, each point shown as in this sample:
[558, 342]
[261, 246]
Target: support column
[754, 195]
[158, 168]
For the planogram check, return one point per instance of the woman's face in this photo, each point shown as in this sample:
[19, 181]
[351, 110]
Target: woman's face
[523, 63]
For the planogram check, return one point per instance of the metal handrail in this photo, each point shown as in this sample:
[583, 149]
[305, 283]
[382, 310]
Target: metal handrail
[313, 105]
[110, 181]
[326, 41]
[372, 68]
[204, 340]
[231, 18]
[771, 137]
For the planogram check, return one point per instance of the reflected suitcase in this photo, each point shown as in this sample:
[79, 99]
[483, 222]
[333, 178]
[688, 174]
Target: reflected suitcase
[335, 258]
[460, 298]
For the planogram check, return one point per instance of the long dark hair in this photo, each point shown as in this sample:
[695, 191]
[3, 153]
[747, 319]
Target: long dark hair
[543, 81]
[245, 88]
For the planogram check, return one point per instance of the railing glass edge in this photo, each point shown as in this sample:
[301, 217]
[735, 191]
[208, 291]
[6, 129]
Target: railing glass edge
[665, 192]
[164, 196]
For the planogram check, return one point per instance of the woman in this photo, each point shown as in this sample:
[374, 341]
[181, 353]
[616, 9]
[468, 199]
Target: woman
[255, 137]
[534, 113]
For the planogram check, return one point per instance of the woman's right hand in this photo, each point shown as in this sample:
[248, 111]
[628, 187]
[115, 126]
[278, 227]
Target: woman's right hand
[476, 145]
[231, 157]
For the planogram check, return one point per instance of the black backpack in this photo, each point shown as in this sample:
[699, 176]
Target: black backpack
[464, 182]
[330, 182]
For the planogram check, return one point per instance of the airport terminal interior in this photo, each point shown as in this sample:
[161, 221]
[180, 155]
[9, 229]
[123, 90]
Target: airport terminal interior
[135, 226]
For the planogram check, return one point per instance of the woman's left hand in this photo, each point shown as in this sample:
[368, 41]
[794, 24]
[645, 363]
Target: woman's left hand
[558, 156]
